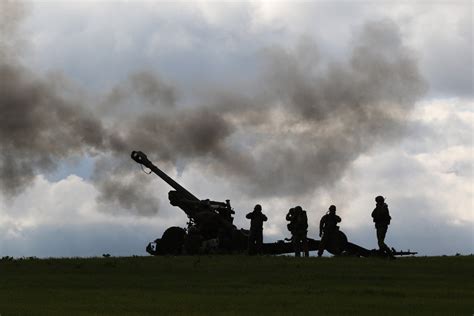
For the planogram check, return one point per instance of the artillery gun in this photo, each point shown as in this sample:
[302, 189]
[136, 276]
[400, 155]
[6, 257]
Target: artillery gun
[210, 228]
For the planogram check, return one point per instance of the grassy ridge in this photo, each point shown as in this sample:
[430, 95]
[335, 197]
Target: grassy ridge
[237, 285]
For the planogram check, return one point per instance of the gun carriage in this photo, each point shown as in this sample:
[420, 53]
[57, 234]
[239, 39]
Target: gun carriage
[210, 228]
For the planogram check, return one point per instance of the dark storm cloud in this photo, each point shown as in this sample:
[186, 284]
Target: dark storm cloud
[297, 131]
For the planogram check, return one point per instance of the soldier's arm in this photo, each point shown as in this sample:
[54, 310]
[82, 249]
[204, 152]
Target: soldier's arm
[338, 219]
[264, 218]
[321, 225]
[305, 216]
[388, 212]
[249, 216]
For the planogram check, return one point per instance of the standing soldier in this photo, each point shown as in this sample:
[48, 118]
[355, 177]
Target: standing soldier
[256, 229]
[298, 227]
[382, 219]
[327, 228]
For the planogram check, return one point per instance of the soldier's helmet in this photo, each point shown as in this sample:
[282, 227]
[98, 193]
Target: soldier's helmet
[379, 199]
[258, 207]
[332, 209]
[298, 209]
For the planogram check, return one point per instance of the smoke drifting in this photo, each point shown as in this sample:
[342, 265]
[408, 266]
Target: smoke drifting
[38, 128]
[328, 114]
[304, 126]
[142, 87]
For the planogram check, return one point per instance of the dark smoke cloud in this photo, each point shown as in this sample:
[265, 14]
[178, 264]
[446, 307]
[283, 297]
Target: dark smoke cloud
[185, 133]
[141, 88]
[38, 128]
[301, 129]
[119, 189]
[166, 137]
[319, 117]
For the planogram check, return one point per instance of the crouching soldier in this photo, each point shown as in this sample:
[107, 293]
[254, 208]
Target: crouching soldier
[381, 217]
[327, 228]
[298, 227]
[256, 229]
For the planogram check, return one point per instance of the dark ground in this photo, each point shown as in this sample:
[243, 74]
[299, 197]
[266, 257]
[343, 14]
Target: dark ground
[236, 285]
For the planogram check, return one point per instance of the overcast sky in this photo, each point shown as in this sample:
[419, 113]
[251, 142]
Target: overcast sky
[281, 103]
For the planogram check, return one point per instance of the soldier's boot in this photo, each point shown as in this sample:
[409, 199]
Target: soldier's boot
[320, 249]
[385, 249]
[306, 248]
[390, 254]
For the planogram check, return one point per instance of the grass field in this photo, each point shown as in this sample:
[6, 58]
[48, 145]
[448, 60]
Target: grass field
[236, 285]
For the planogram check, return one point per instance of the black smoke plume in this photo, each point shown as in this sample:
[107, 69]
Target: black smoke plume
[306, 123]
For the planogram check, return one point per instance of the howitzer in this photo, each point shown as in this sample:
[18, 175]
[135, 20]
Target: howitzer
[210, 228]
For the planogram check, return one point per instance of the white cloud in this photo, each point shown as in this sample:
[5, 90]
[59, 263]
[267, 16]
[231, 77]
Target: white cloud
[218, 41]
[63, 219]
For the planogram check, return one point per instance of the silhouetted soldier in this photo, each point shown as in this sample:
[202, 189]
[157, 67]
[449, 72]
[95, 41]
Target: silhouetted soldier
[298, 227]
[327, 228]
[256, 229]
[382, 219]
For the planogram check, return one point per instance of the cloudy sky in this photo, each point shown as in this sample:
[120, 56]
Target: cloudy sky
[281, 103]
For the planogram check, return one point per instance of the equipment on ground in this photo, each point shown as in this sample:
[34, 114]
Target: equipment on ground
[210, 229]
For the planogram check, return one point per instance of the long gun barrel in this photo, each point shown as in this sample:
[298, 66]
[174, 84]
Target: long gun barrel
[142, 159]
[403, 253]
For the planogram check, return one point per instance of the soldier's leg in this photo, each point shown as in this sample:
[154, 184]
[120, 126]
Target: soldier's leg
[297, 245]
[322, 245]
[381, 233]
[251, 244]
[305, 246]
[259, 242]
